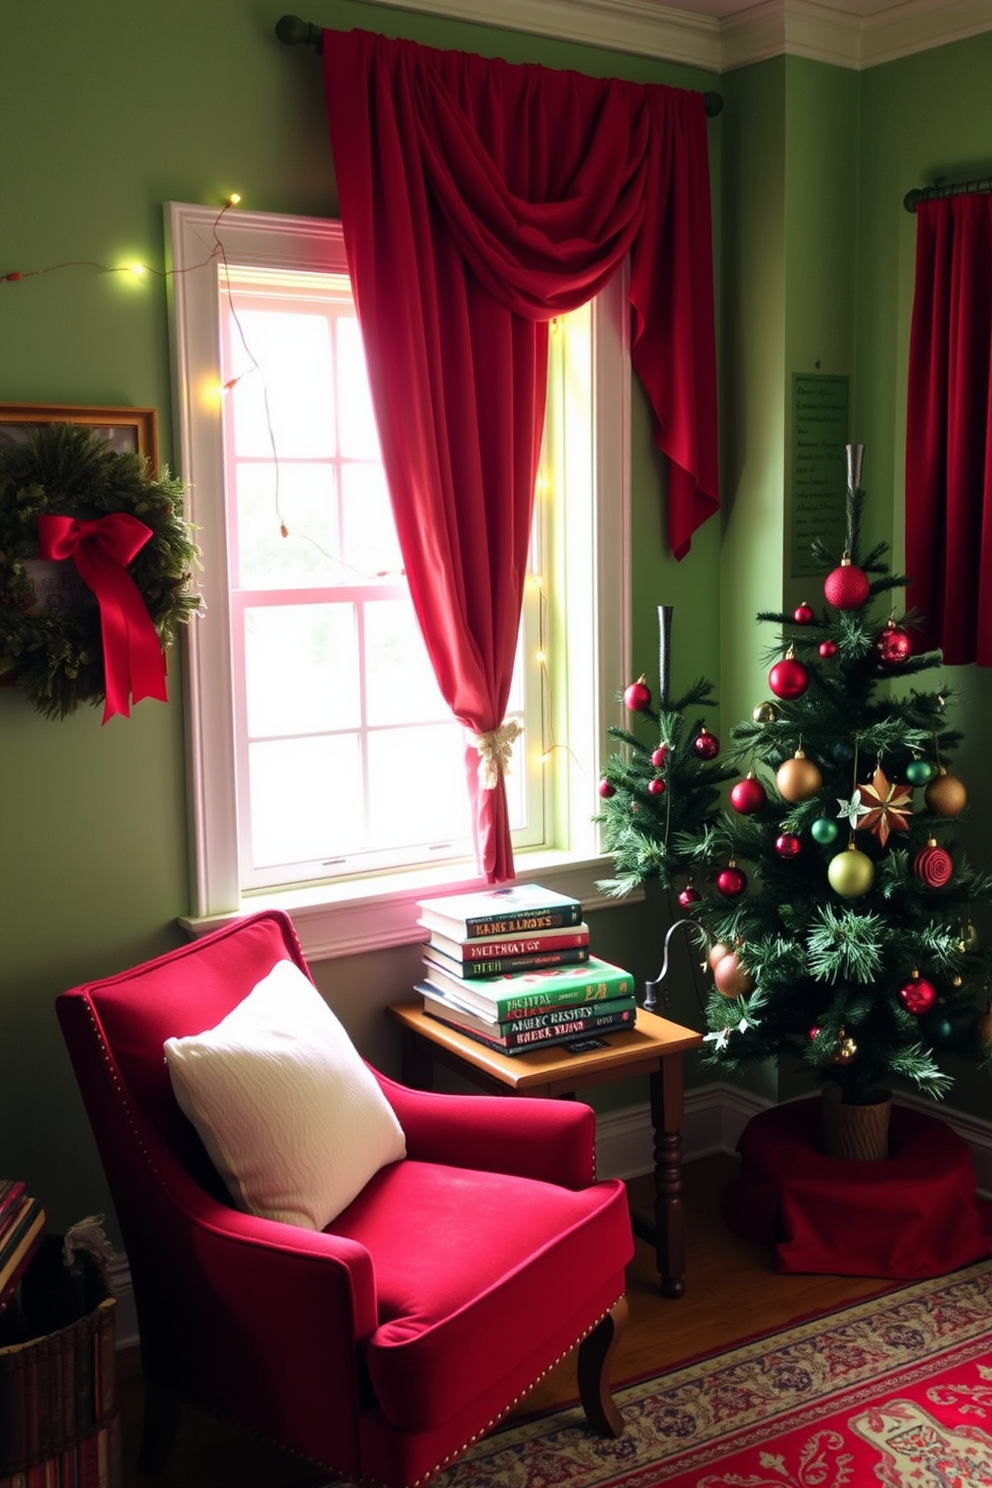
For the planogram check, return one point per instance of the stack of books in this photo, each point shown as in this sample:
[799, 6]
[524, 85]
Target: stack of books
[512, 969]
[22, 1225]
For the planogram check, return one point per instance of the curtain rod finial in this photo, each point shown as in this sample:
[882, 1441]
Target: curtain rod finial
[912, 198]
[293, 31]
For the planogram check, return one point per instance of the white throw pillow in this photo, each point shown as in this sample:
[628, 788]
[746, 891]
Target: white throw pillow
[293, 1120]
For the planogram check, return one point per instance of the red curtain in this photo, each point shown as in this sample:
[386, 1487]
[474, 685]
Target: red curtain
[949, 428]
[478, 200]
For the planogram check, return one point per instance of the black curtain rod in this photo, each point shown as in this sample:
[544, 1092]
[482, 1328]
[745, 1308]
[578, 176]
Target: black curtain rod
[940, 189]
[294, 32]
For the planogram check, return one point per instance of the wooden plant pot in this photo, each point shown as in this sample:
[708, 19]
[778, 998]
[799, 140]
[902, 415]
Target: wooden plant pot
[856, 1132]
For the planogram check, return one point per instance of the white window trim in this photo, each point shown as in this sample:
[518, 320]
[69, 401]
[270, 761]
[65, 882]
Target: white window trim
[350, 918]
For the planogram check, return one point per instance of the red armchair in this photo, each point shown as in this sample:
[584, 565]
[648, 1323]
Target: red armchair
[384, 1345]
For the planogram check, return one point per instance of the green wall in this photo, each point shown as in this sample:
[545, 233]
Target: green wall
[108, 110]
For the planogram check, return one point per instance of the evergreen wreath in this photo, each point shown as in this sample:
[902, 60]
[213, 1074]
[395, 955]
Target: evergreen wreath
[55, 653]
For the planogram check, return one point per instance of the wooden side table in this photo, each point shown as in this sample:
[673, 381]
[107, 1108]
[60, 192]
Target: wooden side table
[654, 1047]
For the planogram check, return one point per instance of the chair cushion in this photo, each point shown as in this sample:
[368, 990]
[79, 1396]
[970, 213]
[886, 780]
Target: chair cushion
[472, 1269]
[292, 1117]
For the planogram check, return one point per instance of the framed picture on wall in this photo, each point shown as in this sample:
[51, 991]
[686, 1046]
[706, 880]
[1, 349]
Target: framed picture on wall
[123, 428]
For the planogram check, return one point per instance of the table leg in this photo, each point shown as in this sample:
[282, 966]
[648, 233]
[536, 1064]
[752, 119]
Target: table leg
[668, 1233]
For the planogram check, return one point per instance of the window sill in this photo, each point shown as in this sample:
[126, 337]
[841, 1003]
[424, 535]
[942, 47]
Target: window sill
[351, 919]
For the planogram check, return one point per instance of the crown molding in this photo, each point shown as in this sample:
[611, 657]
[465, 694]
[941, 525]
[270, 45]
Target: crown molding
[770, 28]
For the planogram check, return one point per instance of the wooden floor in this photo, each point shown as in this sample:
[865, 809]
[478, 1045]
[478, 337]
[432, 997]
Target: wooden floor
[732, 1292]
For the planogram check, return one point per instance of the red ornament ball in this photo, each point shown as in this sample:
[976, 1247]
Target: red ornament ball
[606, 790]
[917, 996]
[847, 587]
[637, 697]
[788, 678]
[893, 646]
[788, 845]
[706, 746]
[803, 614]
[659, 756]
[933, 865]
[731, 881]
[656, 786]
[827, 649]
[689, 896]
[748, 795]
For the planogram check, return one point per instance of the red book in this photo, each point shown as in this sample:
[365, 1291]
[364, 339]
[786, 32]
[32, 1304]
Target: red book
[492, 947]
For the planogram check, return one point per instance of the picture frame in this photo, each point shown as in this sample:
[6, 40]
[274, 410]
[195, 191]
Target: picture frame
[124, 428]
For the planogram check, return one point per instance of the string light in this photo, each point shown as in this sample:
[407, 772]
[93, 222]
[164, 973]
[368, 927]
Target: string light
[135, 270]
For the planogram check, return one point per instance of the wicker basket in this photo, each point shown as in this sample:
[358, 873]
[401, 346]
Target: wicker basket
[58, 1390]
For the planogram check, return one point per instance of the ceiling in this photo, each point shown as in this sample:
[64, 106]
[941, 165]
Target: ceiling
[720, 35]
[721, 9]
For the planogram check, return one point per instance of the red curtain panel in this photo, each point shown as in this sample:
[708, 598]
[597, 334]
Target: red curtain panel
[949, 428]
[478, 200]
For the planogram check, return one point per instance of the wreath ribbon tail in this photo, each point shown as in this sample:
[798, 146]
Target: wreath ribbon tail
[134, 666]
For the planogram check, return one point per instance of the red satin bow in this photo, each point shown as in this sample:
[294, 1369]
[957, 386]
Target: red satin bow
[101, 549]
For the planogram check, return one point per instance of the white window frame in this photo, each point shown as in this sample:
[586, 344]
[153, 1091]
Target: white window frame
[590, 619]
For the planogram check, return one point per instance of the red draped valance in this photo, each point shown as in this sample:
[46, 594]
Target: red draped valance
[478, 200]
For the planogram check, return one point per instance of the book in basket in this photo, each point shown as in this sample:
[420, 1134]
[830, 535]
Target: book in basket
[501, 965]
[509, 910]
[552, 1026]
[519, 993]
[497, 947]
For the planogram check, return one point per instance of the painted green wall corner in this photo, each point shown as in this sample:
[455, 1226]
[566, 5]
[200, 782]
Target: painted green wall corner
[107, 111]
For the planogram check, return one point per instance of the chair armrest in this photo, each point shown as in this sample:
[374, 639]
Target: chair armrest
[529, 1136]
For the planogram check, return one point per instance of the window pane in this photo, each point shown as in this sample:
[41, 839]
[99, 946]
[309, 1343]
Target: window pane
[359, 436]
[301, 669]
[400, 679]
[306, 799]
[369, 544]
[415, 785]
[301, 496]
[285, 395]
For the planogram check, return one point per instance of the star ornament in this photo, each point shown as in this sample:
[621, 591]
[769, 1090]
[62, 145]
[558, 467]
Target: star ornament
[887, 806]
[852, 810]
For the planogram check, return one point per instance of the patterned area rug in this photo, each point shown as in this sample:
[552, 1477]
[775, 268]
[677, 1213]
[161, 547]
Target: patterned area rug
[896, 1391]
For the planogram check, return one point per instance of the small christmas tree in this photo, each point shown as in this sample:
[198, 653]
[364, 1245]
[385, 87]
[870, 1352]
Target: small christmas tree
[835, 913]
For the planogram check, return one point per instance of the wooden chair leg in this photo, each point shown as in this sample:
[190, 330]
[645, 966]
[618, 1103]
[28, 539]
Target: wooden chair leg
[159, 1427]
[595, 1358]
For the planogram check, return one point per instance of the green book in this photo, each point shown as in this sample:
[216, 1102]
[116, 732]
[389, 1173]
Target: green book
[514, 996]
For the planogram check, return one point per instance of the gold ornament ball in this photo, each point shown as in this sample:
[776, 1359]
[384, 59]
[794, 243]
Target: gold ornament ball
[844, 1051]
[851, 873]
[731, 978]
[946, 796]
[716, 953]
[798, 778]
[765, 713]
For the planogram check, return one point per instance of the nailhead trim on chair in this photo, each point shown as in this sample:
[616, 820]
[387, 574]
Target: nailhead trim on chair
[327, 1466]
[452, 1456]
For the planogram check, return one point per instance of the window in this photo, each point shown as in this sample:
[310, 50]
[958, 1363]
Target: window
[313, 716]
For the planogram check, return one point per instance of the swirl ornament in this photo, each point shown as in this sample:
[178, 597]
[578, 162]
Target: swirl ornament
[933, 865]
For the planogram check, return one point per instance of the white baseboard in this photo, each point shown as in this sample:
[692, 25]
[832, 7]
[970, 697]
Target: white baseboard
[715, 1116]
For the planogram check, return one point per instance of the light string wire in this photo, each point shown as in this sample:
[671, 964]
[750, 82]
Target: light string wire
[219, 252]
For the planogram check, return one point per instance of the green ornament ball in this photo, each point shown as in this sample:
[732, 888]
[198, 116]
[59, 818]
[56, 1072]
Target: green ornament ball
[920, 772]
[824, 830]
